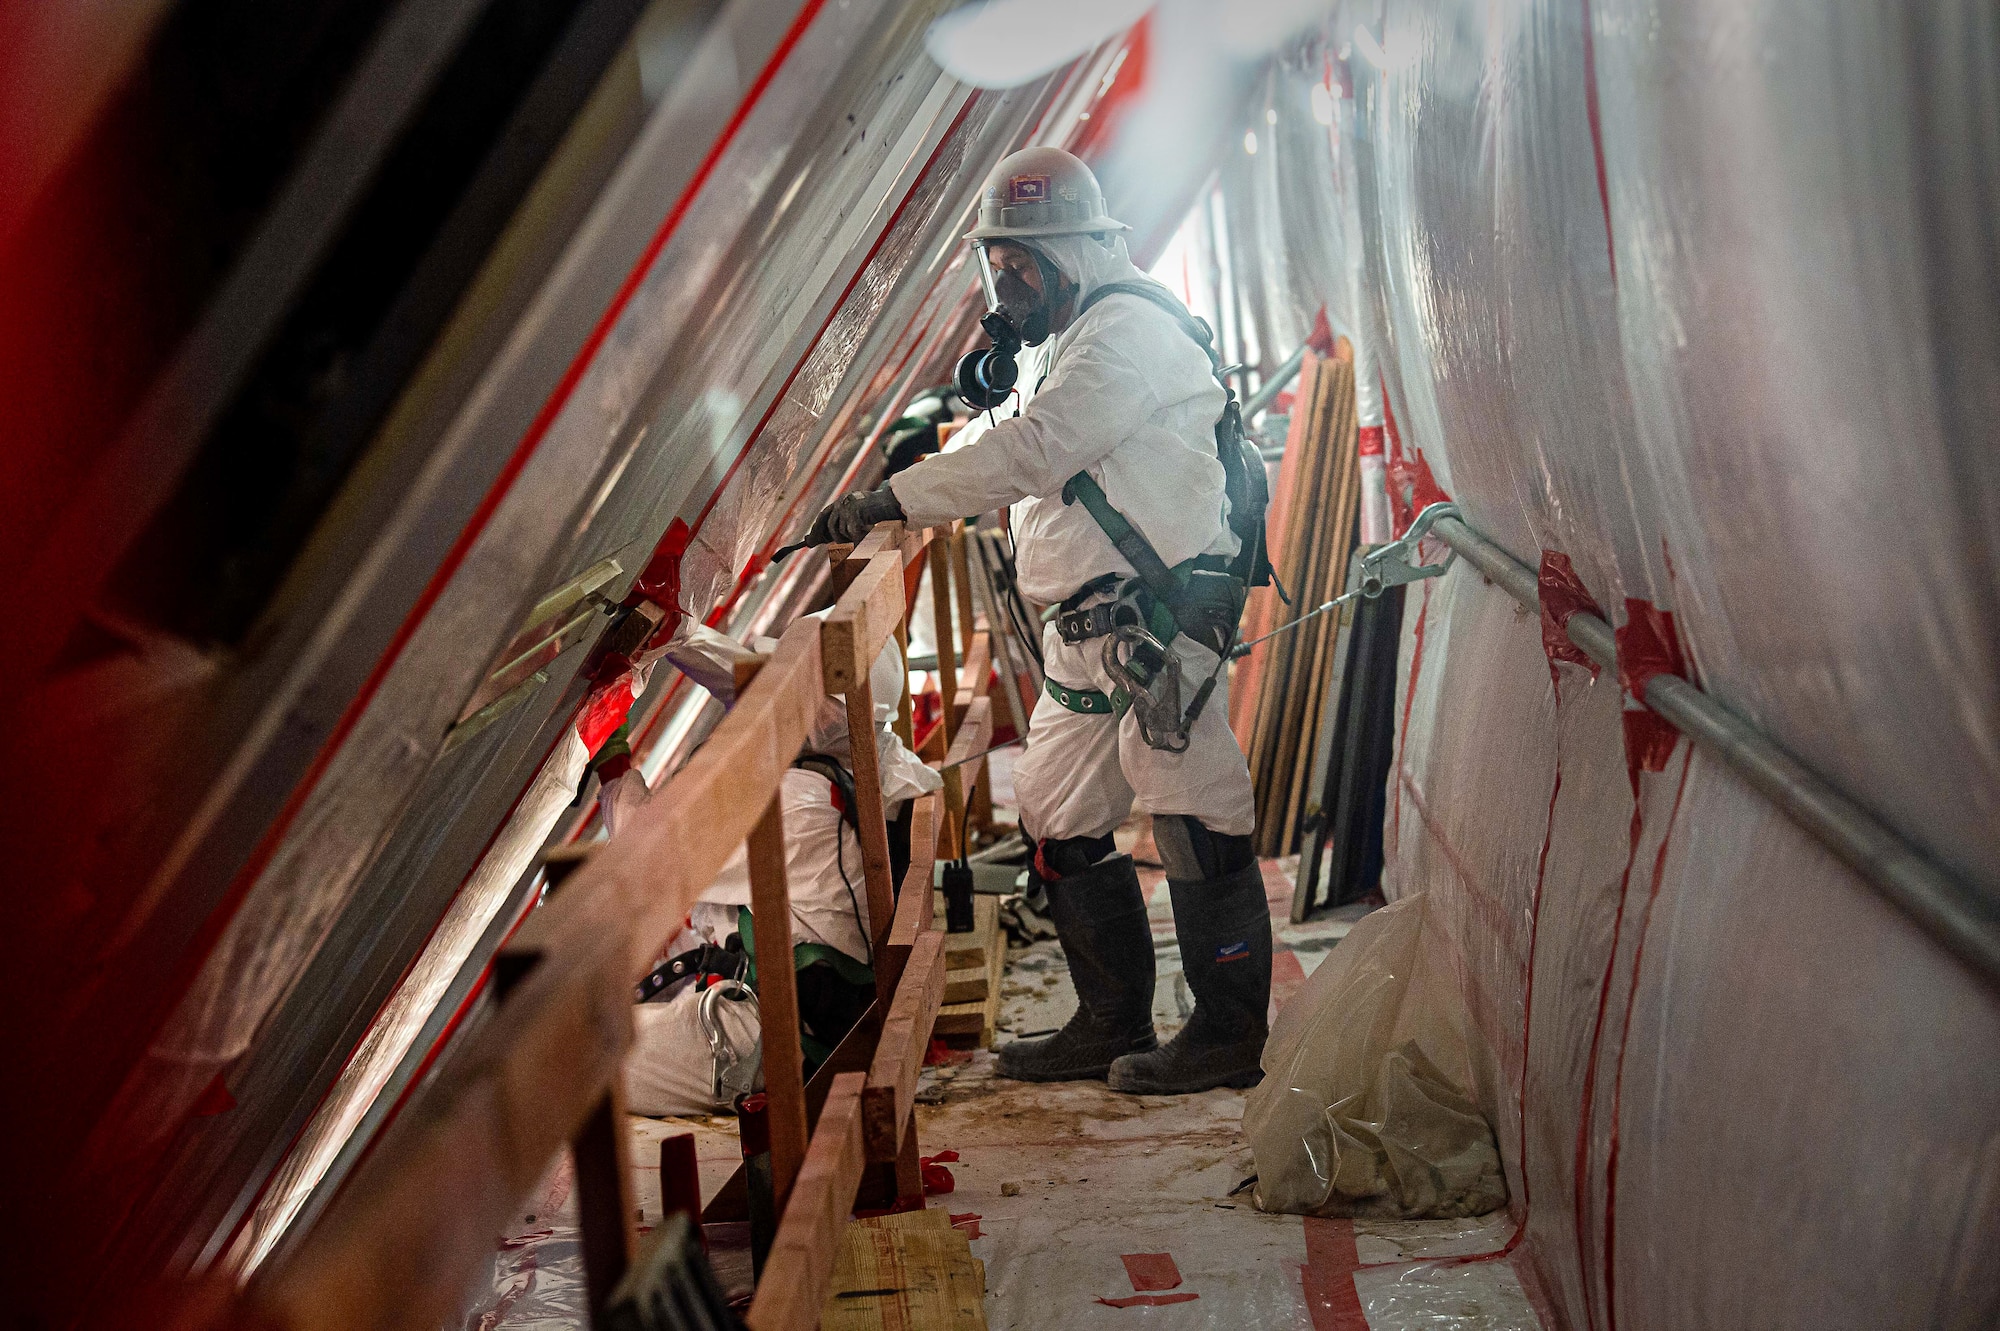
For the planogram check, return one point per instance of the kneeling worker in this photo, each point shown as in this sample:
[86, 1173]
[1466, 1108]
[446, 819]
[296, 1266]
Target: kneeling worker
[689, 1059]
[1116, 472]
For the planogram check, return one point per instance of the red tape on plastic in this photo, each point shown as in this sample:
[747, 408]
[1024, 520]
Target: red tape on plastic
[1562, 594]
[1648, 646]
[1328, 1276]
[1152, 1270]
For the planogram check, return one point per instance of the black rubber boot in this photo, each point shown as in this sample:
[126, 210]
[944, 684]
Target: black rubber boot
[1100, 918]
[1225, 937]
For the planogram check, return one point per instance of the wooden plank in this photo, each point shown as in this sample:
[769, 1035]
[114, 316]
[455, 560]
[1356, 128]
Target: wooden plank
[839, 571]
[975, 734]
[899, 1055]
[913, 903]
[972, 949]
[958, 1021]
[861, 621]
[778, 1001]
[965, 986]
[883, 537]
[947, 649]
[872, 829]
[913, 1277]
[977, 676]
[602, 1157]
[961, 578]
[799, 1272]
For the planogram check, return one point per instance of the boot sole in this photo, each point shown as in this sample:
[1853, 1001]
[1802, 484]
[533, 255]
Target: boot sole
[1045, 1078]
[1088, 1072]
[1235, 1081]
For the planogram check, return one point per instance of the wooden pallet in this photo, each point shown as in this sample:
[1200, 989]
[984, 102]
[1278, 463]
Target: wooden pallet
[911, 1270]
[973, 964]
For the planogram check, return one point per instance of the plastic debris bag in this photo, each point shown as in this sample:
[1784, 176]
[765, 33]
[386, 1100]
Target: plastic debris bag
[1362, 1110]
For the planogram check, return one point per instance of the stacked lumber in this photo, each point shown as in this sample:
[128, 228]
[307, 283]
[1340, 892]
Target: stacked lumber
[973, 963]
[1280, 689]
[910, 1271]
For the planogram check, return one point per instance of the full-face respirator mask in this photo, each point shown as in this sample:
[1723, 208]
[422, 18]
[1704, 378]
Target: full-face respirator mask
[1017, 316]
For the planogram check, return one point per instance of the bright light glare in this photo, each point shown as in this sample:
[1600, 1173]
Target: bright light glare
[1250, 142]
[1005, 43]
[1371, 50]
[1270, 115]
[1256, 27]
[1322, 100]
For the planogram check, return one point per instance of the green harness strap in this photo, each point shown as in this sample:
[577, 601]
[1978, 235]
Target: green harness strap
[1089, 702]
[803, 954]
[1164, 583]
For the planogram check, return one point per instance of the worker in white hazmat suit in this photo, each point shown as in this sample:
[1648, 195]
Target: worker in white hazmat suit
[1118, 439]
[686, 1060]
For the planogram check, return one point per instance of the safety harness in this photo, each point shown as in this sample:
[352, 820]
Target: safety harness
[1202, 596]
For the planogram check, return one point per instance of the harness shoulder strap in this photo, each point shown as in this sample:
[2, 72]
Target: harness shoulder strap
[1138, 551]
[1195, 328]
[835, 771]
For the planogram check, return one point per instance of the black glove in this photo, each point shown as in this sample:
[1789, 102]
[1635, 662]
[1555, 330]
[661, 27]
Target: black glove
[853, 516]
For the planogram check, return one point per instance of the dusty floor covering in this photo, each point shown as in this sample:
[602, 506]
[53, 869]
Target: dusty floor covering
[1058, 1185]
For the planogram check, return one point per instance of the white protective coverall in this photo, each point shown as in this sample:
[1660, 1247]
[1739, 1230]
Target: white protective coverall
[1129, 397]
[671, 1067]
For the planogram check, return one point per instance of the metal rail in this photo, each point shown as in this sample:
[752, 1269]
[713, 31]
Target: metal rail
[1267, 392]
[1958, 914]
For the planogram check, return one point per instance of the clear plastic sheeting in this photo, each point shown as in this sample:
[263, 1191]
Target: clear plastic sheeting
[1363, 1109]
[1698, 297]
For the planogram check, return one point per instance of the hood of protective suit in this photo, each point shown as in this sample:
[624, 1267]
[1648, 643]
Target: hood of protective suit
[904, 775]
[1090, 262]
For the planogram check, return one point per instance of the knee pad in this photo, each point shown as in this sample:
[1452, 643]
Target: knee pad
[1058, 857]
[1191, 853]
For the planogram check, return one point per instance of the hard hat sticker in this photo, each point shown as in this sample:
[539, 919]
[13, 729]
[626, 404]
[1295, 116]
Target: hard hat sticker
[1028, 189]
[1232, 952]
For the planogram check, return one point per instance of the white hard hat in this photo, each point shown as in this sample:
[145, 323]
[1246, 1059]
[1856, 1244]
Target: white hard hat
[1041, 192]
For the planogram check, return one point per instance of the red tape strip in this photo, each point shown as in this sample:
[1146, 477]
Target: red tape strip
[1328, 1276]
[1152, 1270]
[1562, 594]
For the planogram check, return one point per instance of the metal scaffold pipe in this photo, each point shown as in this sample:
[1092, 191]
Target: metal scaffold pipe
[1267, 392]
[1956, 913]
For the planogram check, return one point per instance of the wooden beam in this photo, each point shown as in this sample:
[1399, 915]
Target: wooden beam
[881, 538]
[977, 676]
[975, 734]
[861, 621]
[841, 572]
[913, 903]
[873, 829]
[419, 1215]
[947, 649]
[602, 1158]
[899, 1055]
[798, 1275]
[961, 577]
[778, 1000]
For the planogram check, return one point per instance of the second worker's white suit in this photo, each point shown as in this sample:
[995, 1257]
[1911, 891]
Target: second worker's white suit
[1125, 394]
